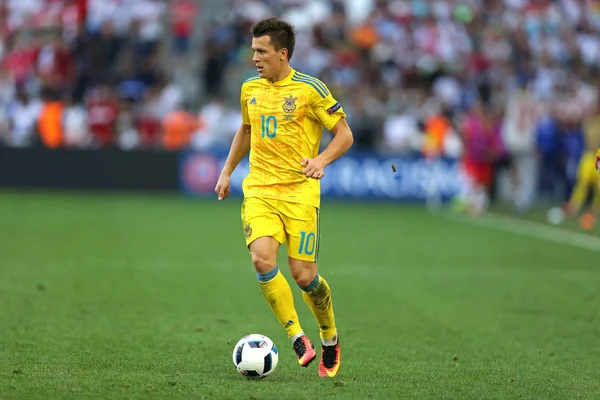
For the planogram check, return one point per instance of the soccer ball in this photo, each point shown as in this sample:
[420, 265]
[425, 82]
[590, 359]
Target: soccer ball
[255, 356]
[555, 216]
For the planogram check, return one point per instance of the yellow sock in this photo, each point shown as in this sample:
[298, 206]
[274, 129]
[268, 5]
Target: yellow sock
[278, 294]
[318, 297]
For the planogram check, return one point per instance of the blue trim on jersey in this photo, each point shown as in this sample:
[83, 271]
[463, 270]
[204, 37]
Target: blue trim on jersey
[254, 78]
[308, 82]
[311, 285]
[318, 82]
[266, 277]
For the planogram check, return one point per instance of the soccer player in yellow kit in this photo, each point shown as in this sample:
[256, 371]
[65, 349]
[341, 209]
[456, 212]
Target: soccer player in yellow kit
[284, 112]
[587, 170]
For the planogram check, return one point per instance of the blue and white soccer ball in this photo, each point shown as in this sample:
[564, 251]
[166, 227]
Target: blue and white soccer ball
[255, 356]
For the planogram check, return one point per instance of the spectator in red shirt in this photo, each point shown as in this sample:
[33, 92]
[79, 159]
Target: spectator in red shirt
[53, 64]
[20, 59]
[103, 113]
[183, 14]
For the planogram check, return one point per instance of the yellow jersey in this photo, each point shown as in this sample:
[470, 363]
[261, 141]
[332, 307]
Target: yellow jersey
[287, 120]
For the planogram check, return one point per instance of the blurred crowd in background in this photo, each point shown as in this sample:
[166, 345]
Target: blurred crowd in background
[92, 73]
[504, 85]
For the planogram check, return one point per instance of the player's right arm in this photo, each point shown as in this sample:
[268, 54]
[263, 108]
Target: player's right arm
[239, 148]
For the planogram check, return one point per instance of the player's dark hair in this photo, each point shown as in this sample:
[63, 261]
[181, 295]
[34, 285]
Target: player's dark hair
[281, 33]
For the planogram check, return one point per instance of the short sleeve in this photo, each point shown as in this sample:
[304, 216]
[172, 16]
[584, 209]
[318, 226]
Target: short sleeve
[244, 107]
[324, 107]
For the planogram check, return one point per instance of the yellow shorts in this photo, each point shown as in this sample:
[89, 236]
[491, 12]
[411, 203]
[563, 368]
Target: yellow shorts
[296, 224]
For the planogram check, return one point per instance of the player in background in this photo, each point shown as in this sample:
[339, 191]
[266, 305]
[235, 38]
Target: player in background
[283, 114]
[586, 180]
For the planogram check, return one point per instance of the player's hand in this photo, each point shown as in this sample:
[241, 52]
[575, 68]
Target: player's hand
[313, 167]
[222, 189]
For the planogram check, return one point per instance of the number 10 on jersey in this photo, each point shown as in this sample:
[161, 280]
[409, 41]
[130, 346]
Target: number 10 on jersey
[268, 126]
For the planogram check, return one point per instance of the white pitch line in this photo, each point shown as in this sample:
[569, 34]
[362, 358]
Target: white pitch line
[528, 228]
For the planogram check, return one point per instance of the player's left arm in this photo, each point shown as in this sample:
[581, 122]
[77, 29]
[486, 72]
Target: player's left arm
[340, 144]
[331, 114]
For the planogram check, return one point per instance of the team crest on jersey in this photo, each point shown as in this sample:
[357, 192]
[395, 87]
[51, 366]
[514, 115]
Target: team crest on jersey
[247, 231]
[289, 104]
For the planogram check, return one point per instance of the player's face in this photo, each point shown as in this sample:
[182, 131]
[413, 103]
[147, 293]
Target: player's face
[268, 61]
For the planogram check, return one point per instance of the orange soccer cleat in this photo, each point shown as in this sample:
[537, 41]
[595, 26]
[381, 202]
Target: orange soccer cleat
[330, 360]
[305, 350]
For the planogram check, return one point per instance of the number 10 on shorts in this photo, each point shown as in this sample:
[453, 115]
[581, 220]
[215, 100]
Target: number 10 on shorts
[307, 243]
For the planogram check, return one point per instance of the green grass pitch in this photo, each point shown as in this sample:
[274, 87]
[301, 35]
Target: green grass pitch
[139, 297]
